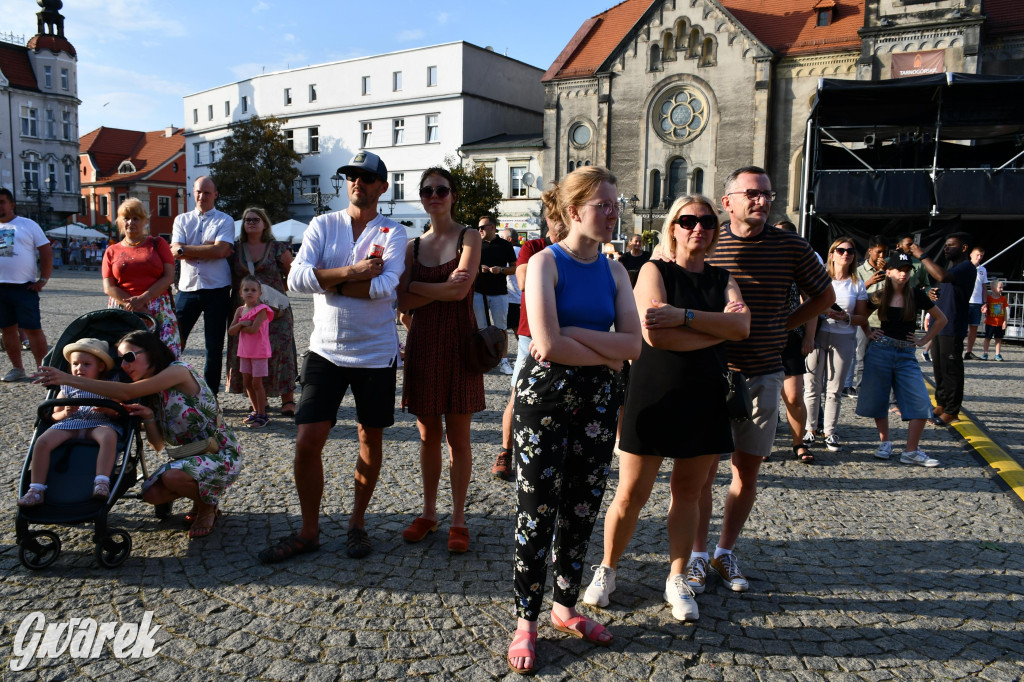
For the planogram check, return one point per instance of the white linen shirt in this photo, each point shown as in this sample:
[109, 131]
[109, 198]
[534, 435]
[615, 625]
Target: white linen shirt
[348, 331]
[195, 229]
[20, 240]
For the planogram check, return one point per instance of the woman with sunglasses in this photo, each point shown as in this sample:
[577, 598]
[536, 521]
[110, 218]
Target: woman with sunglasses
[176, 407]
[567, 400]
[270, 261]
[138, 270]
[437, 286]
[689, 308]
[835, 342]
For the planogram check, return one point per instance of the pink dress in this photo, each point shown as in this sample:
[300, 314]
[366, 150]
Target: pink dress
[256, 345]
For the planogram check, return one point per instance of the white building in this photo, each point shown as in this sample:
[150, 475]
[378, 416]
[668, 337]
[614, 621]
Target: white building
[515, 162]
[412, 108]
[39, 120]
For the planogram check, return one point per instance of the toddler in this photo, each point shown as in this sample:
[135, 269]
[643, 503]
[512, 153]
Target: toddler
[995, 319]
[252, 325]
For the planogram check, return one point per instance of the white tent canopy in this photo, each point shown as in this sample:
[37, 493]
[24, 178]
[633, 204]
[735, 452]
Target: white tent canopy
[288, 231]
[77, 231]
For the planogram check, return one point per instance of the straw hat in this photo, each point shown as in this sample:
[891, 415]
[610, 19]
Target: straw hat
[96, 347]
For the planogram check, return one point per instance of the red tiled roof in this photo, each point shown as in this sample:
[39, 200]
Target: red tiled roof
[791, 26]
[55, 44]
[109, 147]
[596, 39]
[1004, 16]
[16, 67]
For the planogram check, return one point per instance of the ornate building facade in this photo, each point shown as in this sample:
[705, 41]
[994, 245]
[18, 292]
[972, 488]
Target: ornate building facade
[672, 95]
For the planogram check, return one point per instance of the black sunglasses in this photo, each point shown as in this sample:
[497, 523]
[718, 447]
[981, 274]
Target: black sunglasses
[132, 355]
[842, 250]
[688, 222]
[441, 191]
[367, 178]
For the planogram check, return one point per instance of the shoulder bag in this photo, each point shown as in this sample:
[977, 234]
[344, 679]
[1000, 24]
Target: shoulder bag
[271, 296]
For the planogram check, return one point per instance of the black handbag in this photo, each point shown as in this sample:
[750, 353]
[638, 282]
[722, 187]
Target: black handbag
[738, 402]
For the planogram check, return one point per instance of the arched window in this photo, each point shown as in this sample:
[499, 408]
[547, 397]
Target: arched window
[668, 51]
[587, 162]
[681, 30]
[572, 166]
[655, 188]
[693, 46]
[655, 64]
[697, 183]
[126, 167]
[707, 52]
[676, 179]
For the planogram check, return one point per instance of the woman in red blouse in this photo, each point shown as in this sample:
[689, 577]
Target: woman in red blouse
[138, 271]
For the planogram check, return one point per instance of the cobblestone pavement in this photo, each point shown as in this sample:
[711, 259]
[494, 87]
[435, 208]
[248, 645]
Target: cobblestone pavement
[859, 569]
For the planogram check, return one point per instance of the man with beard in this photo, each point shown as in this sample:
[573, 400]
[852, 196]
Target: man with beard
[351, 261]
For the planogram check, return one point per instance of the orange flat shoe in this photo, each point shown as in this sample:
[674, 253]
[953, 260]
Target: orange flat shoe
[458, 539]
[418, 529]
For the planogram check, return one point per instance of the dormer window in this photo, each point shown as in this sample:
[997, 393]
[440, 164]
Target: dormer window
[126, 167]
[825, 10]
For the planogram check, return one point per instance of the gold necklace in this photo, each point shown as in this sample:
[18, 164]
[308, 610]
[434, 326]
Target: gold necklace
[128, 242]
[577, 256]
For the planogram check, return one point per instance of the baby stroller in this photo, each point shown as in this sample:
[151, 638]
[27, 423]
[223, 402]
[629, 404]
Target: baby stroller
[72, 464]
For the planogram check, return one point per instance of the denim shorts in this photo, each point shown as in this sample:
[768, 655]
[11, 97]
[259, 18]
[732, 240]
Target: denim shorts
[523, 352]
[973, 314]
[888, 368]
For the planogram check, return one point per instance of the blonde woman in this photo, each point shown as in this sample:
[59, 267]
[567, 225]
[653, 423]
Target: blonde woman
[835, 343]
[675, 404]
[138, 270]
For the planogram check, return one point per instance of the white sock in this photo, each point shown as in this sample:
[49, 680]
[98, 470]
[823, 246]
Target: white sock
[37, 486]
[101, 479]
[719, 551]
[701, 555]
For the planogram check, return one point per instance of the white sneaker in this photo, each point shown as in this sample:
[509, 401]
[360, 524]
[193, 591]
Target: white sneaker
[918, 457]
[679, 594]
[600, 587]
[884, 450]
[697, 574]
[504, 367]
[16, 374]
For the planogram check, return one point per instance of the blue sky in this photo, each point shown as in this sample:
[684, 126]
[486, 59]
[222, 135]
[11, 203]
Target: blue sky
[138, 58]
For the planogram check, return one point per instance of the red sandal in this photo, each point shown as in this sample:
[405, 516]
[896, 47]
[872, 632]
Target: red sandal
[582, 627]
[524, 645]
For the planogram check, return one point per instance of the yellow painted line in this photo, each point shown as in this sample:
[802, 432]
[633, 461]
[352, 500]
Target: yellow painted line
[999, 459]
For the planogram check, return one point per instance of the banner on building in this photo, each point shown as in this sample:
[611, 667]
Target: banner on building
[906, 64]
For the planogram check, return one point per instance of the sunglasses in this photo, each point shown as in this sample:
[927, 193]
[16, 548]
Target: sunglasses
[441, 191]
[842, 251]
[251, 219]
[367, 178]
[688, 222]
[754, 194]
[131, 356]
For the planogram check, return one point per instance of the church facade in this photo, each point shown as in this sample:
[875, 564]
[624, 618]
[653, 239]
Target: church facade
[673, 95]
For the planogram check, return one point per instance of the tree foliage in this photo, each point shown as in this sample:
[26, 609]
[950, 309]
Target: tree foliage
[479, 194]
[256, 168]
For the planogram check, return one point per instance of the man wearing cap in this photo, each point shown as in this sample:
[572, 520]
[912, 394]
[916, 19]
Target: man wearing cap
[497, 261]
[20, 240]
[202, 240]
[350, 261]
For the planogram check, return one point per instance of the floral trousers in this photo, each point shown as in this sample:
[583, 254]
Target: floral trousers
[563, 425]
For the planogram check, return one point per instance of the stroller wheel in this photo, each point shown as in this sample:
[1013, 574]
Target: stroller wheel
[113, 550]
[162, 511]
[39, 549]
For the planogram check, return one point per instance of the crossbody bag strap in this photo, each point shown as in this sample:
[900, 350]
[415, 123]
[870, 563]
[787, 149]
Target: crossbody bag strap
[416, 250]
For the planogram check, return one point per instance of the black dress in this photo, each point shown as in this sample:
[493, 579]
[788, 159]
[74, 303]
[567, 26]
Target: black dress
[675, 402]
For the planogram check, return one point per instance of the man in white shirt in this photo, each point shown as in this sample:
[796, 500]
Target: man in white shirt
[974, 311]
[351, 261]
[20, 240]
[202, 240]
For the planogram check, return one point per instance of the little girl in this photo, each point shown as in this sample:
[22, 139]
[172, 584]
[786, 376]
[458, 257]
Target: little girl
[89, 358]
[252, 325]
[891, 365]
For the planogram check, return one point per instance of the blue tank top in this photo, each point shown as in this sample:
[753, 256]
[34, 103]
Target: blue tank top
[585, 293]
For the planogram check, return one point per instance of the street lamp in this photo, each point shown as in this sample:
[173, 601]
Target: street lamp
[621, 201]
[321, 202]
[34, 186]
[645, 214]
[391, 207]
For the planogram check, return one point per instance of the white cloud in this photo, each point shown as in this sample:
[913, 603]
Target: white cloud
[131, 81]
[442, 18]
[260, 7]
[409, 35]
[288, 37]
[111, 21]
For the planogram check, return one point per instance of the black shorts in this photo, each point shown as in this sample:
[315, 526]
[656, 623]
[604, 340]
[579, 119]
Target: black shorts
[324, 385]
[513, 318]
[19, 305]
[792, 357]
[994, 331]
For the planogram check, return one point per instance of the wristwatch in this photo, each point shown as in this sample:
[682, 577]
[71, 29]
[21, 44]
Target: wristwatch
[180, 251]
[687, 317]
[43, 280]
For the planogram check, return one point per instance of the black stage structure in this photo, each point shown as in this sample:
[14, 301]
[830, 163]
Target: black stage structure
[927, 155]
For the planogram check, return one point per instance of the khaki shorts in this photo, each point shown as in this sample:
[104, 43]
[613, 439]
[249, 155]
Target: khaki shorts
[756, 435]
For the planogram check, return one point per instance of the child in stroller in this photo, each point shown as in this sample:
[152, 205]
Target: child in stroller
[89, 358]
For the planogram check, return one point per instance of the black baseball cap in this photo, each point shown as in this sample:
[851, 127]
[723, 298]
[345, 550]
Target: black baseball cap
[366, 161]
[898, 260]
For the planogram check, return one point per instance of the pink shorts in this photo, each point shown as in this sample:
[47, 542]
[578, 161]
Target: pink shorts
[257, 367]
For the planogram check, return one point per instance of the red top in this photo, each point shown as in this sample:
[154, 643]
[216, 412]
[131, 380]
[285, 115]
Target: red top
[136, 268]
[529, 250]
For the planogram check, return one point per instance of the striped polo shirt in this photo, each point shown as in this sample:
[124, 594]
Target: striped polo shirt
[764, 266]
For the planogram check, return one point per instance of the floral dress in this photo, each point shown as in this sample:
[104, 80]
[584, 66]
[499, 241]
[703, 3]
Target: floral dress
[186, 419]
[283, 364]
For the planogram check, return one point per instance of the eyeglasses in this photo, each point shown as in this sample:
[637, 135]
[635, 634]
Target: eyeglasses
[606, 207]
[131, 356]
[755, 194]
[367, 178]
[689, 222]
[842, 251]
[250, 219]
[441, 191]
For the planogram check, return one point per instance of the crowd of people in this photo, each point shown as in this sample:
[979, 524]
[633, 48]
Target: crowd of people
[607, 350]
